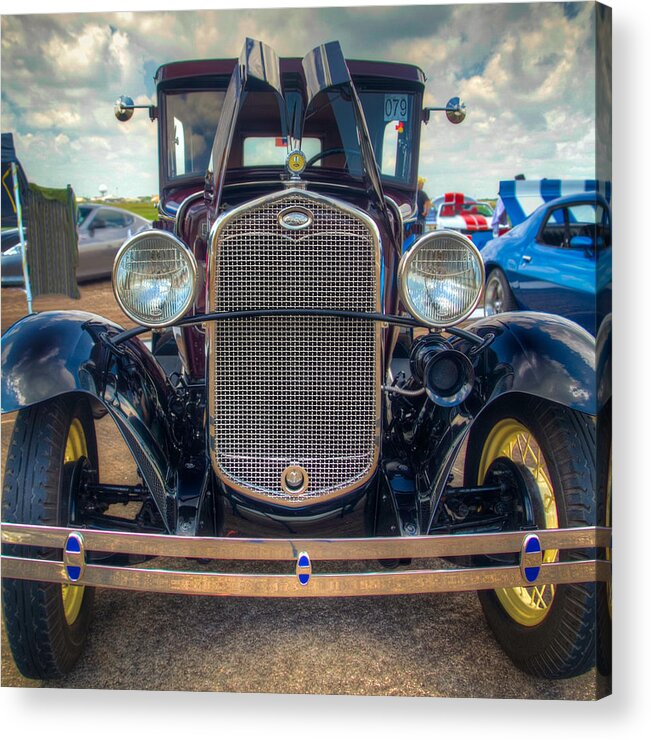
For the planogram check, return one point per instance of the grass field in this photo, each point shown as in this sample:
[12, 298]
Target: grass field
[146, 210]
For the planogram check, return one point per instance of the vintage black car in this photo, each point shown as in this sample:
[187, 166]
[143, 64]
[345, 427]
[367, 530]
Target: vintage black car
[309, 392]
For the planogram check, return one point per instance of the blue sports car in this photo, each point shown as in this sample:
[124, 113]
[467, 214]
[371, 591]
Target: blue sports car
[553, 260]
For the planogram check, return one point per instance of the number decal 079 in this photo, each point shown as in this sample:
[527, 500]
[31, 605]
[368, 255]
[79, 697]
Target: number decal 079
[396, 107]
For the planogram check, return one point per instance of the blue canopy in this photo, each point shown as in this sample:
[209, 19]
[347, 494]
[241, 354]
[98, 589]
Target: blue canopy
[8, 200]
[522, 197]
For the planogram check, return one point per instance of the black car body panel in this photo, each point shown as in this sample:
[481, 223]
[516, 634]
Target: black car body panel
[53, 353]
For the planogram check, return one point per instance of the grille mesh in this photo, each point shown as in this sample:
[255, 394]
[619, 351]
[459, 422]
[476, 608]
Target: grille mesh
[295, 390]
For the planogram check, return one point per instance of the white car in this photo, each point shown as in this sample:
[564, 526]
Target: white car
[102, 231]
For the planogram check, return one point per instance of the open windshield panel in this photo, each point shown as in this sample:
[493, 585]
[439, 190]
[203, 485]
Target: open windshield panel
[258, 74]
[328, 85]
[343, 129]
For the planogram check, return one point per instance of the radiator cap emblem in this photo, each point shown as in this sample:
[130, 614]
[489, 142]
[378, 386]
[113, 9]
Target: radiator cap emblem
[295, 162]
[295, 218]
[294, 480]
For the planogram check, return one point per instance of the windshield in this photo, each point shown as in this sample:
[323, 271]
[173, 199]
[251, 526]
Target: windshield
[448, 210]
[330, 137]
[483, 209]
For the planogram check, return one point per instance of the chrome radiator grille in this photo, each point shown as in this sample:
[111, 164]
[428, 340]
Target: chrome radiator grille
[294, 391]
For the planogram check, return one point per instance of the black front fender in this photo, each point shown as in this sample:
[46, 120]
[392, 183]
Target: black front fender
[47, 354]
[53, 353]
[536, 354]
[543, 355]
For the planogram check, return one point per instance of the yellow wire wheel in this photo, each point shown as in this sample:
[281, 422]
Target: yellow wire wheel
[511, 439]
[76, 447]
[547, 631]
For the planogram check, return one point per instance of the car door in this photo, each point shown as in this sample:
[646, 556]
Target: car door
[105, 232]
[557, 275]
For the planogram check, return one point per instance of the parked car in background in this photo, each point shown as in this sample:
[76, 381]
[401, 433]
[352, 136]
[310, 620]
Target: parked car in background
[102, 230]
[548, 262]
[458, 212]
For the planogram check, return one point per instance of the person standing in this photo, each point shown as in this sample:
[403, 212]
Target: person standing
[500, 220]
[423, 204]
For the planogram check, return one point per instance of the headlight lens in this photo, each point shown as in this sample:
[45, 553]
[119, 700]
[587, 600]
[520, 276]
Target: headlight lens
[154, 278]
[441, 278]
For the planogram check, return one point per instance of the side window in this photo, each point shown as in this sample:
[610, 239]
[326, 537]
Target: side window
[98, 220]
[190, 121]
[112, 219]
[179, 148]
[553, 233]
[390, 148]
[582, 220]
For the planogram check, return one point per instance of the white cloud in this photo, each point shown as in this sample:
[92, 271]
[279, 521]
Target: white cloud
[526, 72]
[53, 118]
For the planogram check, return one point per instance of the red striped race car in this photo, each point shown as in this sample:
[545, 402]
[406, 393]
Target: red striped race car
[458, 212]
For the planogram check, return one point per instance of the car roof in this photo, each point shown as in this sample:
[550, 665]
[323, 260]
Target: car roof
[588, 196]
[224, 67]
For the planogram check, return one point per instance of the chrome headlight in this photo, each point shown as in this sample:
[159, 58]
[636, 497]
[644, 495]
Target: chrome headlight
[441, 278]
[154, 278]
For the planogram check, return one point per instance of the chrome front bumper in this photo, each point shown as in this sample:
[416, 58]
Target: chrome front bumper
[303, 554]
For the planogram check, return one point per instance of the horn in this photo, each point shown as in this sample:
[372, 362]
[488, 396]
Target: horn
[448, 377]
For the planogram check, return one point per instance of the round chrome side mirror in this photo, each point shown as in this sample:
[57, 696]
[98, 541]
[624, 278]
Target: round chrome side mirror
[455, 110]
[123, 108]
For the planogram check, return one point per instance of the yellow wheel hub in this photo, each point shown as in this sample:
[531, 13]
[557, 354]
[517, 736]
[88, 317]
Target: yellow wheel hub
[510, 438]
[75, 448]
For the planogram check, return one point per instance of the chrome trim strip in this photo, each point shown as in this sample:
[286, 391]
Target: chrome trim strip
[401, 219]
[363, 548]
[184, 205]
[182, 347]
[319, 585]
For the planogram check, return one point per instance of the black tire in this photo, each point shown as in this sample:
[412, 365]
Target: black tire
[43, 642]
[604, 595]
[563, 643]
[498, 296]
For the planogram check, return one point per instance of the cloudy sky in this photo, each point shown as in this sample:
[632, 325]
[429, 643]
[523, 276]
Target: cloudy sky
[526, 72]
